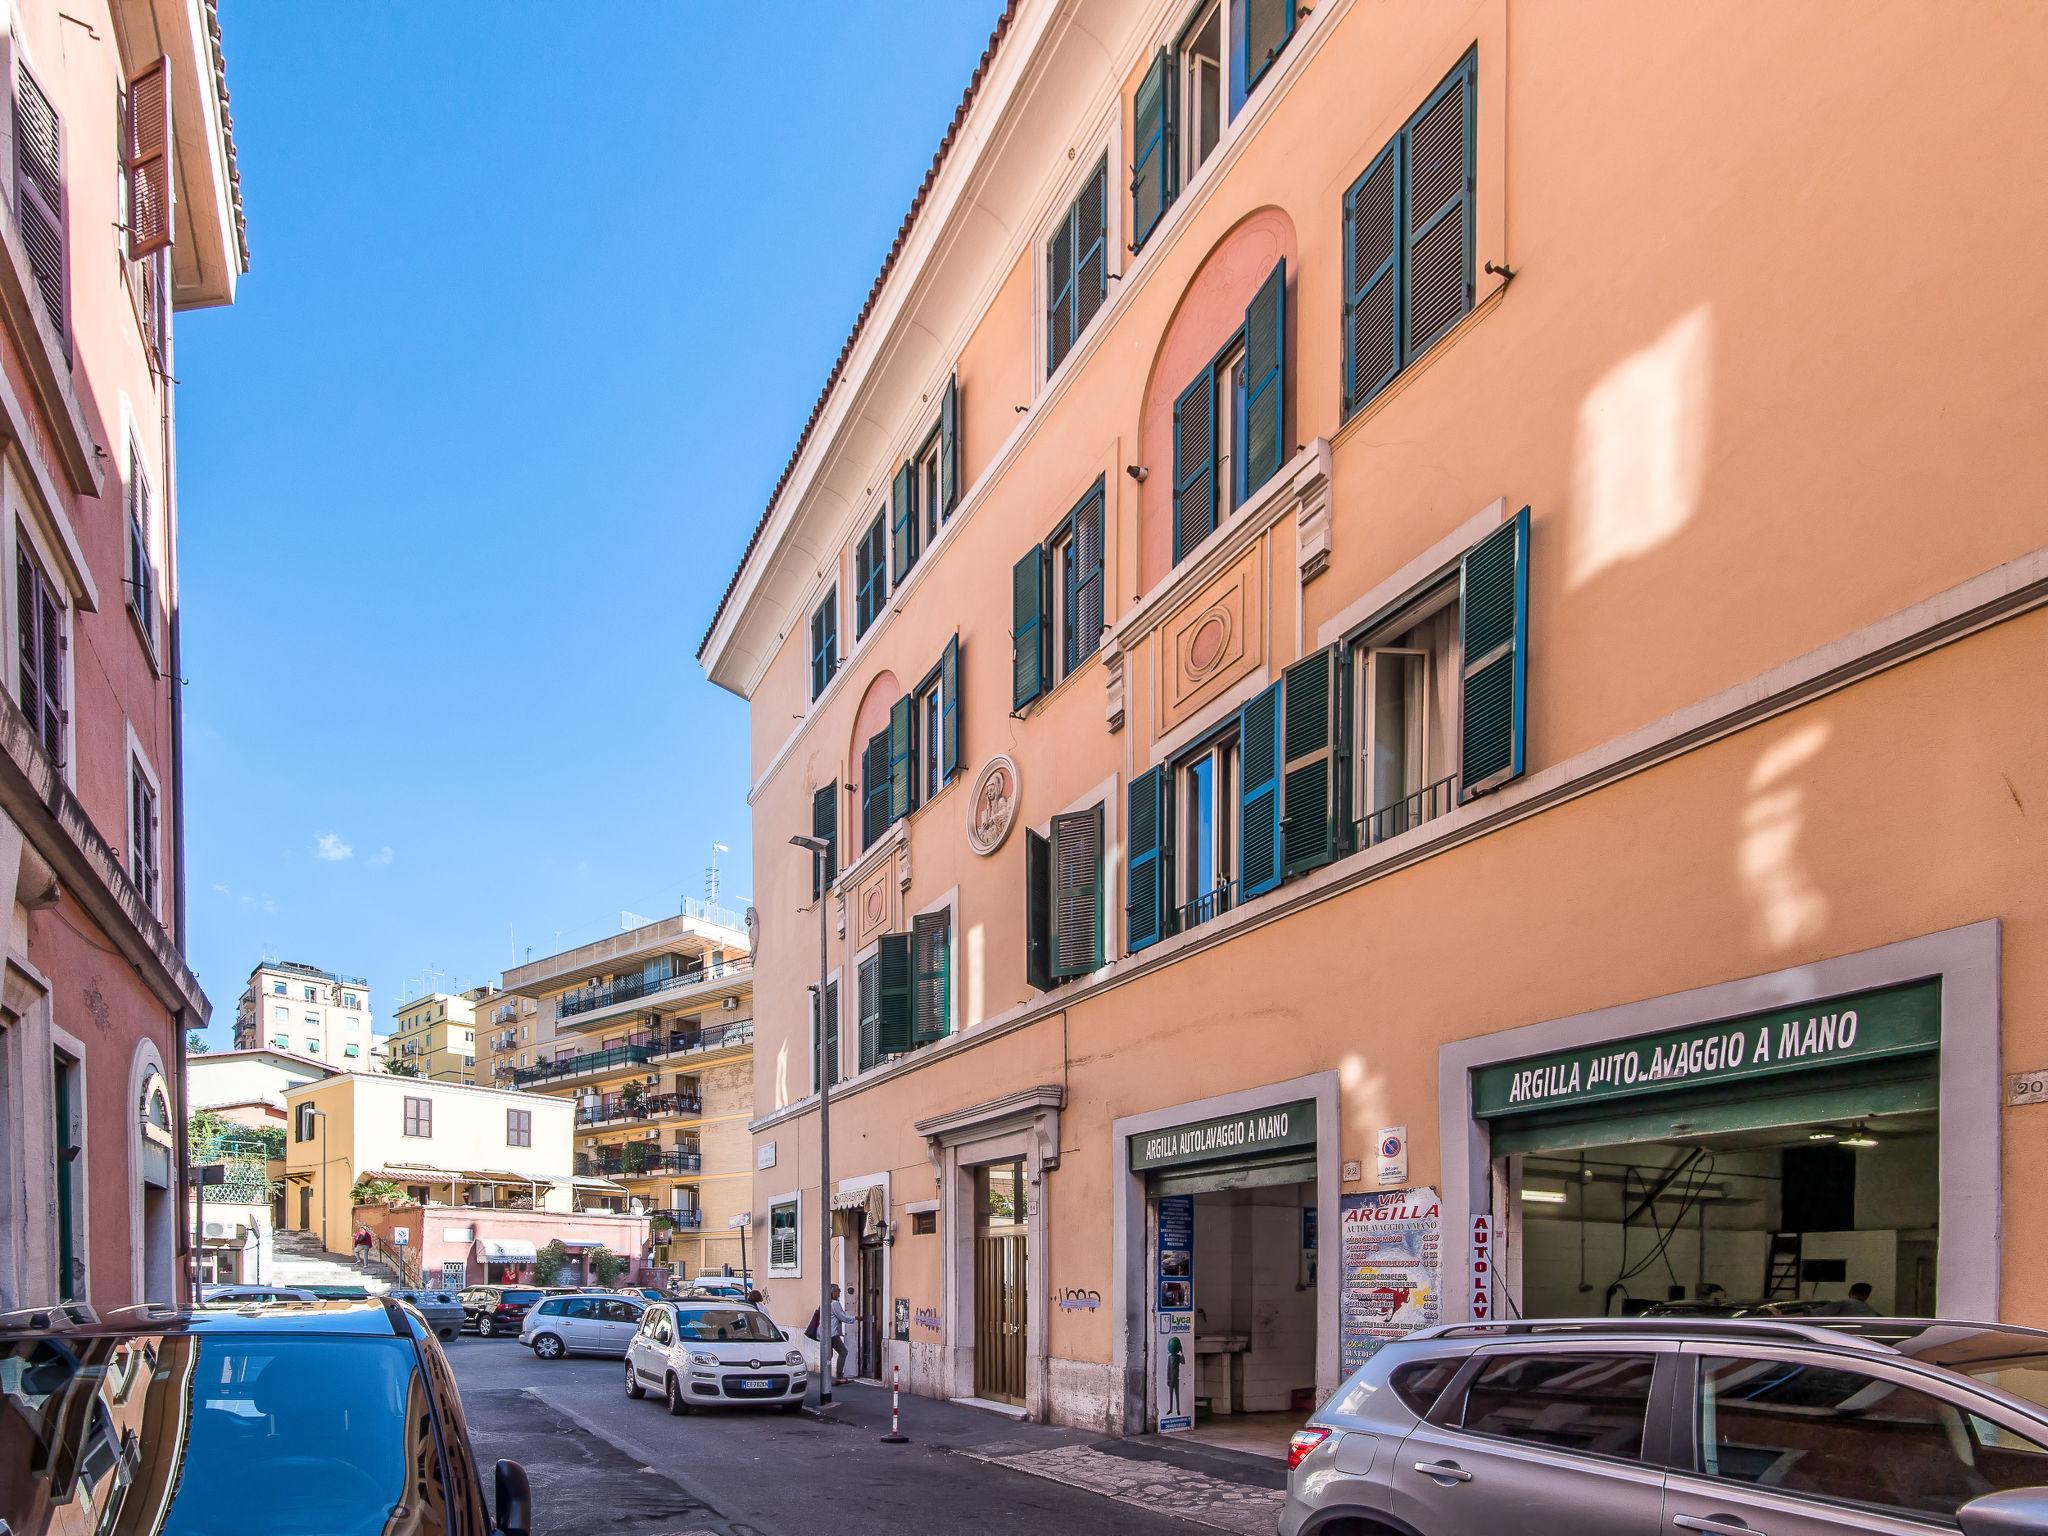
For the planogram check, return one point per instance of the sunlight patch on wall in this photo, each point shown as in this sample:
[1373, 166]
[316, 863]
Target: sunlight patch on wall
[1789, 907]
[977, 976]
[782, 1074]
[1640, 456]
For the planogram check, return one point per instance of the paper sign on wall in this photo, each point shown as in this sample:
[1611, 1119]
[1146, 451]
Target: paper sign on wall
[1391, 1269]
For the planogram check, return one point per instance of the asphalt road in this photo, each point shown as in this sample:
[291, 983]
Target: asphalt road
[600, 1463]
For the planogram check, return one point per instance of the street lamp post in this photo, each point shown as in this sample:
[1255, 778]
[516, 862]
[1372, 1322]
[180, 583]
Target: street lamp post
[818, 849]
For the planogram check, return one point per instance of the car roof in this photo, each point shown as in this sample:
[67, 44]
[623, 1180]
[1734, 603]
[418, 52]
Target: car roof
[370, 1317]
[1931, 1339]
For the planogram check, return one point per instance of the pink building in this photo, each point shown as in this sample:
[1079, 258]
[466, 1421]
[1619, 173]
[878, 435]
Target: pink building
[457, 1245]
[122, 208]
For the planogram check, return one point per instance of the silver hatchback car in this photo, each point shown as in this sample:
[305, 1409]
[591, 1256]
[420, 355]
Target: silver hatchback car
[1880, 1427]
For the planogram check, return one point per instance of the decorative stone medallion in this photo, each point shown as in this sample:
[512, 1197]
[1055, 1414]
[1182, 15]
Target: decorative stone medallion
[992, 808]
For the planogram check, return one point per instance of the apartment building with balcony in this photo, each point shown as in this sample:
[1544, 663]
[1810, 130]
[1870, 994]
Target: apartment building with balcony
[507, 1037]
[287, 1005]
[649, 1032]
[122, 209]
[1411, 614]
[434, 1036]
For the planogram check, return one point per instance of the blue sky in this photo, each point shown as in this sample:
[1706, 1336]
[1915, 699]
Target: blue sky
[540, 298]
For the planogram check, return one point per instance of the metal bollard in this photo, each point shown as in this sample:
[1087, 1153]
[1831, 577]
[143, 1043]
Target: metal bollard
[895, 1435]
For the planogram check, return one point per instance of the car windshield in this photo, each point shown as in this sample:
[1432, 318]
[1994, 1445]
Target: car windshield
[192, 1435]
[520, 1298]
[726, 1325]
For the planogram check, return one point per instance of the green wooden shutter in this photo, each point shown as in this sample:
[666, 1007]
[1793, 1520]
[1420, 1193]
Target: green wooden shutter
[1372, 278]
[1437, 207]
[1268, 25]
[1493, 617]
[1312, 830]
[902, 755]
[903, 522]
[893, 1032]
[874, 789]
[831, 1045]
[1037, 910]
[1147, 918]
[1059, 288]
[931, 953]
[949, 710]
[1194, 463]
[1152, 131]
[1077, 892]
[868, 994]
[1030, 628]
[825, 824]
[1258, 748]
[1084, 580]
[1091, 248]
[1265, 370]
[949, 447]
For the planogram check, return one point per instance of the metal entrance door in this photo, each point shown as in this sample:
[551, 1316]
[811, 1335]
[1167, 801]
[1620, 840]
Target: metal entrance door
[1001, 1251]
[869, 1361]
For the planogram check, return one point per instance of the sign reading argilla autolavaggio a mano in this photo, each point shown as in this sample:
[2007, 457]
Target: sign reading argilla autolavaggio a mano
[1867, 1026]
[1275, 1129]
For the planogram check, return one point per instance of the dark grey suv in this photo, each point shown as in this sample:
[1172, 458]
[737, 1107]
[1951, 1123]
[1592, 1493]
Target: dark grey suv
[1875, 1426]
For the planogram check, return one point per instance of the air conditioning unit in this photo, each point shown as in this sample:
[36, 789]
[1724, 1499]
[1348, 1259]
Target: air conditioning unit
[654, 1079]
[650, 1135]
[730, 1005]
[217, 1229]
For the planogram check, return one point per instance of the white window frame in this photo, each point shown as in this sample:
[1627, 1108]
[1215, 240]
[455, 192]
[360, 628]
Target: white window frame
[1424, 603]
[1225, 833]
[1184, 30]
[794, 1271]
[1103, 142]
[139, 760]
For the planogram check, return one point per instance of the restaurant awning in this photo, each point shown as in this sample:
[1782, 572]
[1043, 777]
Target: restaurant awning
[506, 1250]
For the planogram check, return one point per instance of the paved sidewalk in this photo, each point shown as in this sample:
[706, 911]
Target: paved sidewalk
[1224, 1490]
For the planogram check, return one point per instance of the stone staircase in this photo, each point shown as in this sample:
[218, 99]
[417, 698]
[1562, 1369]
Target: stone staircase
[298, 1259]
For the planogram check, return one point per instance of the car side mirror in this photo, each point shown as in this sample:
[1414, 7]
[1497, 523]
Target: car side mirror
[785, 1334]
[2015, 1512]
[515, 1500]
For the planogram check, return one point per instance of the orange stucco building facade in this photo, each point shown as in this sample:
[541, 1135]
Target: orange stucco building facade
[1412, 614]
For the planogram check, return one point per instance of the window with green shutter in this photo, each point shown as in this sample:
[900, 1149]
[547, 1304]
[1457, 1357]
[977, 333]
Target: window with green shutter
[1076, 547]
[1077, 892]
[831, 1041]
[1493, 604]
[1409, 238]
[903, 523]
[1265, 365]
[894, 1029]
[1313, 825]
[1194, 463]
[1030, 629]
[931, 955]
[1268, 27]
[1037, 910]
[824, 642]
[1153, 132]
[1147, 843]
[1077, 268]
[1259, 840]
[825, 825]
[949, 448]
[902, 753]
[874, 789]
[949, 710]
[870, 576]
[867, 996]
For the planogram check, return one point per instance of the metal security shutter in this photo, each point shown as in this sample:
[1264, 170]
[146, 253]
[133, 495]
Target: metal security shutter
[825, 824]
[1437, 209]
[1077, 892]
[931, 955]
[1265, 368]
[1194, 463]
[1258, 737]
[1146, 914]
[1493, 615]
[1152, 131]
[1030, 629]
[147, 159]
[39, 196]
[1084, 581]
[894, 1029]
[1311, 822]
[1372, 310]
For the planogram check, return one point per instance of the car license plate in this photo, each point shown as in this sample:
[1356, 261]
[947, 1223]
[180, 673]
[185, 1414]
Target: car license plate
[756, 1383]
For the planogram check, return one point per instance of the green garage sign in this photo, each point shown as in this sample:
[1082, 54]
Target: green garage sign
[1866, 1026]
[1278, 1128]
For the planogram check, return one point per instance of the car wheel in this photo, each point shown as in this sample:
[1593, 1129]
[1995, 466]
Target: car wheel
[633, 1388]
[447, 1335]
[548, 1346]
[674, 1397]
[488, 1328]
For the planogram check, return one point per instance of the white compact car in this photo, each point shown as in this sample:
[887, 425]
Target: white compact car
[583, 1324]
[704, 1354]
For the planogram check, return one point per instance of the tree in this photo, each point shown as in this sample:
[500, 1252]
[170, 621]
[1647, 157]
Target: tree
[402, 1068]
[195, 1043]
[607, 1266]
[549, 1262]
[375, 1192]
[205, 1125]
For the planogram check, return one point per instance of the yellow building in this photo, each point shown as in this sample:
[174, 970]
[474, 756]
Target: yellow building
[435, 1038]
[507, 1036]
[651, 1033]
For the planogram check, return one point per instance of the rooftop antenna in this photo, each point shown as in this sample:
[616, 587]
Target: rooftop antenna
[711, 875]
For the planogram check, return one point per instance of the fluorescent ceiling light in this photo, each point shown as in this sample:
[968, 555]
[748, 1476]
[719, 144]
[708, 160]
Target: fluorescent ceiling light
[1822, 1136]
[1859, 1137]
[1543, 1197]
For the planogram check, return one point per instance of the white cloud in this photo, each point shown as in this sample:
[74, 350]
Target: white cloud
[381, 856]
[330, 847]
[221, 889]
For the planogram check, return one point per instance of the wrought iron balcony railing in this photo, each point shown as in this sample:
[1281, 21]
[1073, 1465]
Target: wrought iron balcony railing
[650, 1106]
[627, 1163]
[711, 1037]
[1407, 813]
[630, 988]
[683, 1220]
[585, 1061]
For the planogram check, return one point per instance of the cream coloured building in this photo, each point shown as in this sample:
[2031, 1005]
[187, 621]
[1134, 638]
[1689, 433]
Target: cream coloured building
[287, 1005]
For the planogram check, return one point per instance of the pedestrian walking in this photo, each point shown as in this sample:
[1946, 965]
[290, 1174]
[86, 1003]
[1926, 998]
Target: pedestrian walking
[364, 1243]
[840, 1318]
